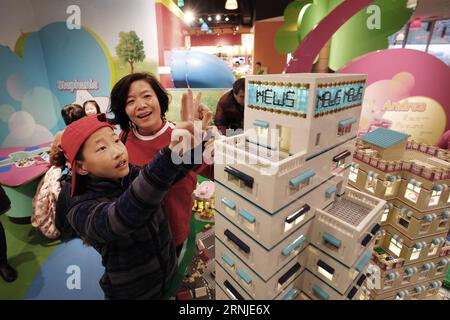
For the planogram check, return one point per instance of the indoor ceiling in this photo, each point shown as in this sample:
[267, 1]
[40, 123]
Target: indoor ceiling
[433, 9]
[251, 10]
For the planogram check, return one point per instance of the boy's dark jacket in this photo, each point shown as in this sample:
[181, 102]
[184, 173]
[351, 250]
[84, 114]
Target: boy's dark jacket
[125, 223]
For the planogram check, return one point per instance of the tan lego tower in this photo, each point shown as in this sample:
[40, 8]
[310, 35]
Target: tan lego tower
[287, 226]
[411, 254]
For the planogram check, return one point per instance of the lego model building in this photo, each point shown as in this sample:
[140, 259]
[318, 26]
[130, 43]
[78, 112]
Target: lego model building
[287, 226]
[411, 254]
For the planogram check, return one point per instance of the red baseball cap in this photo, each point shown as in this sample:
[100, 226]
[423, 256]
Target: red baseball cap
[76, 134]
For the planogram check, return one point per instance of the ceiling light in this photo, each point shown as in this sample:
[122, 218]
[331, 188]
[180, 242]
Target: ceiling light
[218, 17]
[189, 17]
[231, 5]
[227, 19]
[209, 18]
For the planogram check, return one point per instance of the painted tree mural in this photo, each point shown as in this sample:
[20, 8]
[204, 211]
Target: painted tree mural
[130, 49]
[366, 31]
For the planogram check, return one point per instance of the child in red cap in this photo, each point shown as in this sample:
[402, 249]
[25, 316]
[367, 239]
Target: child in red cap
[116, 208]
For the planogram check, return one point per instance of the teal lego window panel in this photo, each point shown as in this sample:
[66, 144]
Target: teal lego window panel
[346, 122]
[330, 191]
[362, 263]
[260, 123]
[247, 216]
[331, 240]
[244, 276]
[291, 294]
[294, 182]
[294, 246]
[228, 260]
[230, 204]
[320, 292]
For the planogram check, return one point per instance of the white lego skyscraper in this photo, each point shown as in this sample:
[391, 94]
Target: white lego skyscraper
[287, 226]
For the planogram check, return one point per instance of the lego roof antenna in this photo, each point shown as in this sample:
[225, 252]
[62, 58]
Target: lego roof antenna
[384, 138]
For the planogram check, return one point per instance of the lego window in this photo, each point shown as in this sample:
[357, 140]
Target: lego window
[240, 179]
[378, 237]
[404, 217]
[289, 275]
[232, 292]
[385, 214]
[244, 277]
[353, 175]
[293, 248]
[344, 129]
[297, 188]
[371, 183]
[338, 165]
[245, 186]
[424, 227]
[296, 218]
[319, 293]
[229, 206]
[247, 219]
[388, 280]
[325, 270]
[390, 188]
[249, 226]
[415, 254]
[396, 246]
[440, 268]
[433, 249]
[435, 195]
[443, 223]
[403, 222]
[317, 139]
[228, 262]
[284, 139]
[412, 192]
[233, 179]
[331, 242]
[262, 132]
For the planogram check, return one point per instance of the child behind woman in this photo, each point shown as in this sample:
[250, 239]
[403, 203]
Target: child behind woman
[91, 107]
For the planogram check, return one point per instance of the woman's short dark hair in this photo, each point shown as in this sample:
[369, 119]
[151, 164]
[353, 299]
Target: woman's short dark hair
[72, 112]
[119, 95]
[239, 85]
[93, 102]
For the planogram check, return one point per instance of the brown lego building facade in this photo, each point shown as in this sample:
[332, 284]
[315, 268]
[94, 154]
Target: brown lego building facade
[411, 253]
